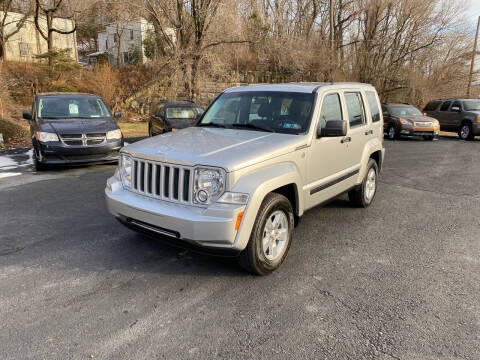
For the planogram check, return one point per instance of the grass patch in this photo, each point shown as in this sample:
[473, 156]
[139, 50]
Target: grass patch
[14, 134]
[134, 129]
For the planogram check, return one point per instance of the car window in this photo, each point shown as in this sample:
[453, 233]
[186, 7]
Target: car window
[445, 106]
[279, 111]
[472, 105]
[432, 106]
[180, 112]
[373, 105]
[356, 113]
[405, 110]
[331, 109]
[457, 104]
[70, 107]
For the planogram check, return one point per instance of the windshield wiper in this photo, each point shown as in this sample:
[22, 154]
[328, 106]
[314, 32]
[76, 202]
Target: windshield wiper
[212, 125]
[254, 127]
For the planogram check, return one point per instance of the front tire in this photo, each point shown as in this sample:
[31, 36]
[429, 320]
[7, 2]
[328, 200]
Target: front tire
[363, 195]
[39, 166]
[392, 133]
[465, 132]
[271, 236]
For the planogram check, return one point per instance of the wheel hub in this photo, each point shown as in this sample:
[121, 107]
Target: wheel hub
[275, 235]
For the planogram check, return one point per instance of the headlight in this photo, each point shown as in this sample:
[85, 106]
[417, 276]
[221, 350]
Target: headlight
[208, 185]
[233, 198]
[125, 166]
[406, 122]
[46, 136]
[114, 134]
[435, 123]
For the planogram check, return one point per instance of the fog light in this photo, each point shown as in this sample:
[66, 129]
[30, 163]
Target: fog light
[202, 196]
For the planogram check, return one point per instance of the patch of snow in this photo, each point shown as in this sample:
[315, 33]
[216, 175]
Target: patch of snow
[5, 161]
[8, 174]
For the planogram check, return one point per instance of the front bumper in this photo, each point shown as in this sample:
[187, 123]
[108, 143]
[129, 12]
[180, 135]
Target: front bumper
[57, 153]
[419, 131]
[213, 226]
[476, 128]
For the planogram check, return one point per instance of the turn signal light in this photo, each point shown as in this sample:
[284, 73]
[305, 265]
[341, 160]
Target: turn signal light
[239, 220]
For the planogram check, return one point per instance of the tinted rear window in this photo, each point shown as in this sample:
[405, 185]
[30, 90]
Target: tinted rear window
[445, 106]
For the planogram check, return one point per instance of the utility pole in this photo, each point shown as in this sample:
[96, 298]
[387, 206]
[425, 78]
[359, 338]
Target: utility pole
[474, 54]
[332, 40]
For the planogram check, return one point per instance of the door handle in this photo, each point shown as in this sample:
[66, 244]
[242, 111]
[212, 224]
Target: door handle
[346, 139]
[369, 132]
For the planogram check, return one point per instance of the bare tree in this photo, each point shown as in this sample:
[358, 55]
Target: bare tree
[49, 11]
[10, 24]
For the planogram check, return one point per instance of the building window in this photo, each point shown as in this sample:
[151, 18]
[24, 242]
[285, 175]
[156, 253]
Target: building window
[23, 48]
[131, 34]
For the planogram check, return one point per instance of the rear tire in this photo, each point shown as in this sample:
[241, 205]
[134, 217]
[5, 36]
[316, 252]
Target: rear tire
[271, 236]
[363, 195]
[465, 132]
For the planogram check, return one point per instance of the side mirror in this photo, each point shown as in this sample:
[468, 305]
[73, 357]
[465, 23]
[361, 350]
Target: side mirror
[117, 114]
[27, 115]
[455, 109]
[333, 128]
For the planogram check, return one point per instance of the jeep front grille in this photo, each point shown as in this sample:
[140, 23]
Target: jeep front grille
[163, 181]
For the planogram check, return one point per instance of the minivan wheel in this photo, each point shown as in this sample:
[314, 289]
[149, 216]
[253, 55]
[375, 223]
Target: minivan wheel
[392, 132]
[271, 236]
[363, 195]
[465, 132]
[39, 166]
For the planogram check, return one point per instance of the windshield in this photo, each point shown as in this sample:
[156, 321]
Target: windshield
[71, 107]
[471, 105]
[404, 111]
[283, 112]
[180, 113]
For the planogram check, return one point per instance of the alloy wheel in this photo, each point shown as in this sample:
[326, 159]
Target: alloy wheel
[370, 184]
[275, 235]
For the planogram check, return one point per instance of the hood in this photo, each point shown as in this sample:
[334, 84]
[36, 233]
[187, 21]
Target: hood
[230, 149]
[78, 126]
[419, 118]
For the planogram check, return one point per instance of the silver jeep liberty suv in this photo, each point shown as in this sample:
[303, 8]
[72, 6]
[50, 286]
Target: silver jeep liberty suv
[259, 157]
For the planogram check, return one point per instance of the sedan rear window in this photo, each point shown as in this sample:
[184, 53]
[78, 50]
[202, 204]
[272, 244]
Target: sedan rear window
[71, 107]
[180, 113]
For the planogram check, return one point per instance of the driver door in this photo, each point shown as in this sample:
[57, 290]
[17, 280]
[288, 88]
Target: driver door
[327, 156]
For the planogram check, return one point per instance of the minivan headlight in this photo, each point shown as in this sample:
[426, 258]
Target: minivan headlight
[114, 134]
[208, 185]
[125, 166]
[46, 136]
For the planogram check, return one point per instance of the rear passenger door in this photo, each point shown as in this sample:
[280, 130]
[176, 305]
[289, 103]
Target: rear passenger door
[443, 114]
[375, 114]
[359, 131]
[454, 117]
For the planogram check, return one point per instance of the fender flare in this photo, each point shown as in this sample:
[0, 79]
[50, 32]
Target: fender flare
[258, 184]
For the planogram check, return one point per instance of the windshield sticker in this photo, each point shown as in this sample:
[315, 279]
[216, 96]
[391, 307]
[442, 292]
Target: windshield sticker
[73, 109]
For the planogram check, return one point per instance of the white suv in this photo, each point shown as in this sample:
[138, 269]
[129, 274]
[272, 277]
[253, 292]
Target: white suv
[259, 157]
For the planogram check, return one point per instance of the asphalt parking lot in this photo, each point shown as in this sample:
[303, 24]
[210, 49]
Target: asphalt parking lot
[400, 280]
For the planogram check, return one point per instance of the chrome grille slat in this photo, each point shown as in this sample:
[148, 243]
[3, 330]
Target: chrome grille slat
[83, 139]
[163, 181]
